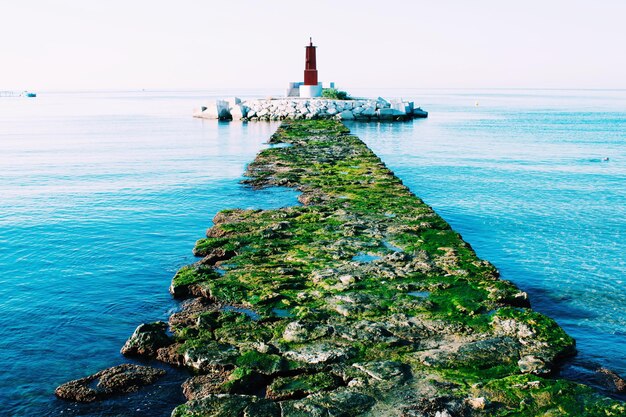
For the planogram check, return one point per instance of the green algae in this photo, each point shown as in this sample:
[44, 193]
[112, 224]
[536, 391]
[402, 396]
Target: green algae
[301, 385]
[473, 332]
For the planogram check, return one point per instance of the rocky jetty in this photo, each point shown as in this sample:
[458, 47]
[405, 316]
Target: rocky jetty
[319, 108]
[360, 301]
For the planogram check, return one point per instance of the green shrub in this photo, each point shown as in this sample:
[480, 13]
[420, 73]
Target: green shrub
[335, 94]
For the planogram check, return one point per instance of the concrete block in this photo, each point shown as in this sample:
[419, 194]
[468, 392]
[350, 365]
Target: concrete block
[346, 115]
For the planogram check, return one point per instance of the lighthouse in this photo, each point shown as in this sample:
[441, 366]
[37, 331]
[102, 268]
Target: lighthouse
[310, 65]
[311, 87]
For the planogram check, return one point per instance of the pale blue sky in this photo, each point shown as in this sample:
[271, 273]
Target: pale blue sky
[89, 44]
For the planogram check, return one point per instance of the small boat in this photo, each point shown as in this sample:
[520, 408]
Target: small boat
[28, 94]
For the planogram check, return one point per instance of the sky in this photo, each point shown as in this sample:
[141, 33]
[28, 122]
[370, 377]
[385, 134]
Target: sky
[191, 44]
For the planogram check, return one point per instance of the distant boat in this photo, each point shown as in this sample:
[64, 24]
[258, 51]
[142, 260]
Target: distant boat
[28, 94]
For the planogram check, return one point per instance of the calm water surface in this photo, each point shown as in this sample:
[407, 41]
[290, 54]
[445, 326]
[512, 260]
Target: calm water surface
[103, 194]
[523, 177]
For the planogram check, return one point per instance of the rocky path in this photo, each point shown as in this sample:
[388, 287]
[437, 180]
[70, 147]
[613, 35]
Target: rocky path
[360, 302]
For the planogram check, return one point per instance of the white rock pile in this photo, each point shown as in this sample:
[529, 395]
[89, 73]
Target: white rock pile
[312, 108]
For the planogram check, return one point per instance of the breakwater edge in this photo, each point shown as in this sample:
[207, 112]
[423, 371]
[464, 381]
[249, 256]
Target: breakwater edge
[354, 299]
[291, 108]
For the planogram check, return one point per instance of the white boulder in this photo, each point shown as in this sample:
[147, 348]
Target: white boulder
[346, 115]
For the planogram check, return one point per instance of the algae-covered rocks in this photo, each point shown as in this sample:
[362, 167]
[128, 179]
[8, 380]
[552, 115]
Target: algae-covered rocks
[116, 380]
[362, 301]
[146, 340]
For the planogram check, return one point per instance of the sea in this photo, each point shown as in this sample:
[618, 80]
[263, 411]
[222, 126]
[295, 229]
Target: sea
[103, 194]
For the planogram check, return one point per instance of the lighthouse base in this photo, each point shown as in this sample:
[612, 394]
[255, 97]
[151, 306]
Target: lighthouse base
[309, 91]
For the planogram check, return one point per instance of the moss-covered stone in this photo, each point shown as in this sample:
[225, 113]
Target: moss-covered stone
[301, 385]
[365, 280]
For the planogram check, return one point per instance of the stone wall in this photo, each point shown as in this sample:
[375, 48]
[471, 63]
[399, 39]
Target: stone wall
[314, 108]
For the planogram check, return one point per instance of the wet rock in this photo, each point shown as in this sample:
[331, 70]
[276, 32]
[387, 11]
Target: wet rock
[191, 310]
[506, 293]
[171, 354]
[319, 353]
[477, 403]
[228, 405]
[617, 383]
[298, 332]
[444, 406]
[147, 339]
[312, 197]
[339, 403]
[116, 380]
[531, 364]
[217, 231]
[353, 304]
[489, 352]
[512, 327]
[284, 388]
[201, 386]
[417, 328]
[211, 356]
[365, 331]
[386, 371]
[475, 354]
[216, 255]
[448, 260]
[232, 216]
[396, 259]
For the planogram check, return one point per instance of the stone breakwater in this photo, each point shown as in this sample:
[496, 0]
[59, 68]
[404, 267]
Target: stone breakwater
[298, 109]
[360, 301]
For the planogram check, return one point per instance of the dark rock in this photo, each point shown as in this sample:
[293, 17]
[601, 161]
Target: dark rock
[211, 356]
[201, 386]
[365, 331]
[386, 371]
[438, 407]
[228, 405]
[616, 382]
[284, 388]
[217, 255]
[106, 383]
[480, 354]
[171, 354]
[146, 339]
[191, 309]
[338, 403]
[298, 331]
[531, 364]
[320, 353]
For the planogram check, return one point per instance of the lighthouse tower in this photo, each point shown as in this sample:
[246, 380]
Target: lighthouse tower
[310, 68]
[311, 87]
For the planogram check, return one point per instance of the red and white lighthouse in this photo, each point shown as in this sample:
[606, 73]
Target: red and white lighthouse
[310, 66]
[311, 87]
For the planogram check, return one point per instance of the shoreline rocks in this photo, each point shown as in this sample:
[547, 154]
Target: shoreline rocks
[119, 379]
[315, 108]
[146, 340]
[362, 301]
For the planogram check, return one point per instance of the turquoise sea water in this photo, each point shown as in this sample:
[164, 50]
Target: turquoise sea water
[103, 194]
